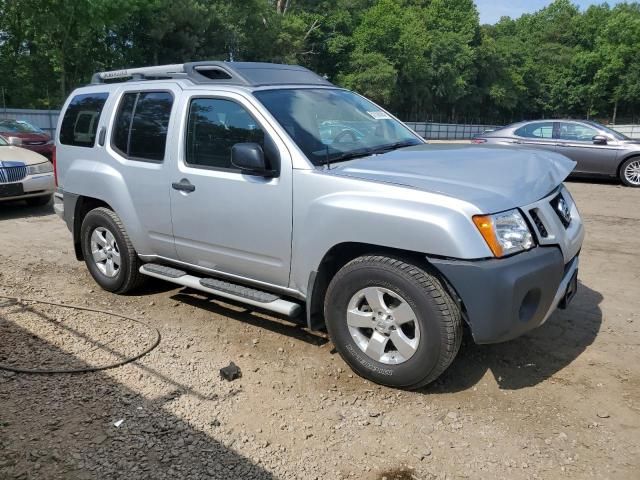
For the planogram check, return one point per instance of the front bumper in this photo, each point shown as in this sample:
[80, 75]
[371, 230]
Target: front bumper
[34, 186]
[505, 298]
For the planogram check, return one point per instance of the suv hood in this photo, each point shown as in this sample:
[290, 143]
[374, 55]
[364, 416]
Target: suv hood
[493, 178]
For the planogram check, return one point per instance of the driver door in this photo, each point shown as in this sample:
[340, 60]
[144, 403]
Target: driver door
[225, 220]
[575, 140]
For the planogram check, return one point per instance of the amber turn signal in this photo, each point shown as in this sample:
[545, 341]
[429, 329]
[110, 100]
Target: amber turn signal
[485, 225]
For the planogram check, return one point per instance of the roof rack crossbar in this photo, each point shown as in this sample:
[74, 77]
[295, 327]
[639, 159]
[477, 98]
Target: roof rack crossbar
[158, 71]
[236, 73]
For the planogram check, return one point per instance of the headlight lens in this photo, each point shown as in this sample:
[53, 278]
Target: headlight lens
[39, 168]
[505, 232]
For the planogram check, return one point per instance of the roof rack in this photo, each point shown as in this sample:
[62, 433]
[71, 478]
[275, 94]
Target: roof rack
[252, 74]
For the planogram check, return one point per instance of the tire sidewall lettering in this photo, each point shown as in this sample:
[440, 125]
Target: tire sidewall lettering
[366, 362]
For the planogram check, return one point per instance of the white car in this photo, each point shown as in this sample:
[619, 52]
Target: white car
[24, 175]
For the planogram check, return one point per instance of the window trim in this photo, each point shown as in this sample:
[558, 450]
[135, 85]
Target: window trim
[559, 124]
[97, 122]
[133, 112]
[553, 129]
[186, 129]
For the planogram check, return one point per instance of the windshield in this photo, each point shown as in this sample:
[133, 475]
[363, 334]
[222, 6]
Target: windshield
[18, 126]
[331, 125]
[613, 133]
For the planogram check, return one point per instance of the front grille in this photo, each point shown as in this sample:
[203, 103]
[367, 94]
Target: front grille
[35, 142]
[14, 173]
[542, 230]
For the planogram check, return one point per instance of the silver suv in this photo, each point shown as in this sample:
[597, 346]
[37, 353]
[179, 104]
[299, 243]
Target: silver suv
[267, 185]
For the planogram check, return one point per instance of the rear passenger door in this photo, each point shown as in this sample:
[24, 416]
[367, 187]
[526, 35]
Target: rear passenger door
[138, 142]
[537, 135]
[226, 220]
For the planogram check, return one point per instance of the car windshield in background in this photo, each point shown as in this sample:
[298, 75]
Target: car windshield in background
[17, 126]
[613, 133]
[335, 125]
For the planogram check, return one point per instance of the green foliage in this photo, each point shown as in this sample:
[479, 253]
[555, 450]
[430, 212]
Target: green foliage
[419, 58]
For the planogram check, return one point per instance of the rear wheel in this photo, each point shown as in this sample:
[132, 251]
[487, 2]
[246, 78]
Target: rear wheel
[630, 172]
[108, 252]
[392, 321]
[38, 201]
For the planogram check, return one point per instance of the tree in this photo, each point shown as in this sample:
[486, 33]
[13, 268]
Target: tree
[419, 58]
[617, 56]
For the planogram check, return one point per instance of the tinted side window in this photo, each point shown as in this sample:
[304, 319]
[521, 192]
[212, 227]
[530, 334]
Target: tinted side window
[123, 122]
[576, 132]
[214, 127]
[536, 130]
[80, 121]
[140, 128]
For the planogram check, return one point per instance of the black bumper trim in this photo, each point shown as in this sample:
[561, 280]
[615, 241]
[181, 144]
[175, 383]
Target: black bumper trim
[70, 200]
[505, 298]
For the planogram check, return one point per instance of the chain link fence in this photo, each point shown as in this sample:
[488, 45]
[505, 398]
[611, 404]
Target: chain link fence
[48, 119]
[448, 131]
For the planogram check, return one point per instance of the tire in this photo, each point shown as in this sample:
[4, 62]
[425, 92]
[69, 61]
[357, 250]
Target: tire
[630, 172]
[430, 341]
[112, 241]
[38, 201]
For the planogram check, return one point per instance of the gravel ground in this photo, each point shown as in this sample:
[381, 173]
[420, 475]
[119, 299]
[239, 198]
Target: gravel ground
[561, 402]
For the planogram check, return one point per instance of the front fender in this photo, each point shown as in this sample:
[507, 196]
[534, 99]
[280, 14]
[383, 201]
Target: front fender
[330, 210]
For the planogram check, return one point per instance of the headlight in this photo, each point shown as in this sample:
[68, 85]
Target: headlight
[38, 168]
[505, 232]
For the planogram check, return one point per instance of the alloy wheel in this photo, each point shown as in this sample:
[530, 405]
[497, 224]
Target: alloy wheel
[383, 325]
[105, 252]
[632, 173]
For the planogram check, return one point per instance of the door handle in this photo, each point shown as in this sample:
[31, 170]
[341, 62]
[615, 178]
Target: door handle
[183, 185]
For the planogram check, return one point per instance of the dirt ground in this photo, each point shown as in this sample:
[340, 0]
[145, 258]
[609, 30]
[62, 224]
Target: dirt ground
[561, 402]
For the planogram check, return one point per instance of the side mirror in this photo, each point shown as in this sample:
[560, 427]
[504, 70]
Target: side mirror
[599, 140]
[249, 158]
[15, 141]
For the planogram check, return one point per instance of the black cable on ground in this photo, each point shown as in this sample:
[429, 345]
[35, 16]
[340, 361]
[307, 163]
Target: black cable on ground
[87, 369]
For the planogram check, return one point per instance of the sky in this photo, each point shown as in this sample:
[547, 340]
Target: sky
[492, 10]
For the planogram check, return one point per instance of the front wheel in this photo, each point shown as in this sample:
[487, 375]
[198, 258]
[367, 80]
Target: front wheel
[108, 252]
[630, 172]
[392, 321]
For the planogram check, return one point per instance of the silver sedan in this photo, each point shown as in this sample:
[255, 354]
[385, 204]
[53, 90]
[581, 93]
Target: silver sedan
[597, 150]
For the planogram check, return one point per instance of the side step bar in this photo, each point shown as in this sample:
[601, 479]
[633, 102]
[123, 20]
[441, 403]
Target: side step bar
[224, 289]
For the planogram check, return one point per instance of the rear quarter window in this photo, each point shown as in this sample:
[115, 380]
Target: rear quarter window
[80, 121]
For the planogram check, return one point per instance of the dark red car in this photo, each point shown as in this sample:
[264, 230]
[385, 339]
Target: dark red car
[32, 137]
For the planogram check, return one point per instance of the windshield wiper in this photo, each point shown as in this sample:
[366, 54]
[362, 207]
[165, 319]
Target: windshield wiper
[365, 152]
[359, 153]
[395, 146]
